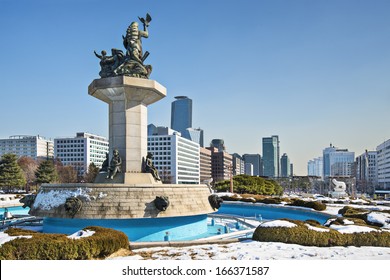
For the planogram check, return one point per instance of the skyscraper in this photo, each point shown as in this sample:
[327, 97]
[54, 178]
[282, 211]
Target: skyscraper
[181, 114]
[285, 166]
[271, 156]
[338, 162]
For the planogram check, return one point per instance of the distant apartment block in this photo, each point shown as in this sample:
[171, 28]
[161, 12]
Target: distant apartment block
[221, 164]
[238, 164]
[315, 167]
[383, 164]
[81, 150]
[366, 172]
[177, 159]
[205, 166]
[36, 147]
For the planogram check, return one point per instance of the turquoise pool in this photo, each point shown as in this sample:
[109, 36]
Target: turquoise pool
[177, 228]
[270, 212]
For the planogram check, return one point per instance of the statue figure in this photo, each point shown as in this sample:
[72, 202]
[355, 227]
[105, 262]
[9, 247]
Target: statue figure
[115, 165]
[109, 63]
[105, 164]
[132, 63]
[150, 168]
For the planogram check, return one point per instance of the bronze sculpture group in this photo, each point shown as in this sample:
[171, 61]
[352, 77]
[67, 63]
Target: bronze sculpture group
[130, 63]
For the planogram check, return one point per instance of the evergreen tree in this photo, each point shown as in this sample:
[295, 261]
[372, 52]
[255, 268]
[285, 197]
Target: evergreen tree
[11, 175]
[91, 174]
[46, 172]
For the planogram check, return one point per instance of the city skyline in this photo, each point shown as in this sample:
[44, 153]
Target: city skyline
[311, 72]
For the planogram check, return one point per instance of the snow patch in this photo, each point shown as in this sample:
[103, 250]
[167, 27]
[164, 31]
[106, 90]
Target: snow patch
[351, 228]
[379, 218]
[81, 233]
[4, 237]
[316, 228]
[55, 198]
[278, 223]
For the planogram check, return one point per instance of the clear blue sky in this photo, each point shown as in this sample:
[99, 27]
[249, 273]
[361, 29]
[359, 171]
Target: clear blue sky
[312, 72]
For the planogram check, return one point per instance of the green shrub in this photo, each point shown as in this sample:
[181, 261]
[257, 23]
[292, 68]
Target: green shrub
[44, 246]
[270, 200]
[351, 210]
[302, 235]
[316, 205]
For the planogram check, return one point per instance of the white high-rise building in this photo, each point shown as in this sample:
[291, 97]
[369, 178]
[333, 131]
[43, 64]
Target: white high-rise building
[81, 150]
[383, 164]
[366, 172]
[177, 159]
[36, 147]
[338, 162]
[315, 167]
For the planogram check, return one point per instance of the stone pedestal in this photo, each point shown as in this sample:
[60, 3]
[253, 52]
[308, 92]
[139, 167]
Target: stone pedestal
[128, 99]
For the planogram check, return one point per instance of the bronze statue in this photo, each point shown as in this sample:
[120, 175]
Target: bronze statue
[105, 164]
[131, 64]
[115, 165]
[150, 168]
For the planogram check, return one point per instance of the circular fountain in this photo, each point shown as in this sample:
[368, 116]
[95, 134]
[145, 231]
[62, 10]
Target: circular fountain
[128, 195]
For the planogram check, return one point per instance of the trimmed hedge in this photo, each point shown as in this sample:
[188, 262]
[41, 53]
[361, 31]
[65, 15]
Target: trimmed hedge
[302, 235]
[316, 205]
[43, 246]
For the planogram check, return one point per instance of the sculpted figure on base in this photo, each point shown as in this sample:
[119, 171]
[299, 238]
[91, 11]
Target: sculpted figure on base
[132, 63]
[115, 165]
[150, 168]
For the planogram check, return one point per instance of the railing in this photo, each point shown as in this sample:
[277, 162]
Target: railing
[20, 220]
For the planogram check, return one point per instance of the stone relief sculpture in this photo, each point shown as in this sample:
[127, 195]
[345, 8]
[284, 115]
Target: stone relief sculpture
[28, 200]
[161, 203]
[215, 201]
[73, 205]
[148, 167]
[115, 165]
[132, 63]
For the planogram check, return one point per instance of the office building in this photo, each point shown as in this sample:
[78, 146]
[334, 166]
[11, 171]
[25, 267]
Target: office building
[181, 114]
[315, 167]
[271, 156]
[257, 164]
[285, 166]
[366, 172]
[195, 135]
[219, 144]
[248, 169]
[238, 164]
[177, 159]
[81, 151]
[36, 147]
[383, 165]
[338, 162]
[205, 166]
[221, 165]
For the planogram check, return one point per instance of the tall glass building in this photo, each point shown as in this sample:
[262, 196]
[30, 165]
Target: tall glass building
[271, 156]
[181, 114]
[285, 166]
[338, 162]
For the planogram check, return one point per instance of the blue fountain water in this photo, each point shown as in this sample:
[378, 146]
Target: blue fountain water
[176, 228]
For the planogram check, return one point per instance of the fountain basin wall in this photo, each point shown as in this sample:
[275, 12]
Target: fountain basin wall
[119, 201]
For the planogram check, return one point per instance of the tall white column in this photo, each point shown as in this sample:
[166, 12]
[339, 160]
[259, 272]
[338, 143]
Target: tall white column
[128, 99]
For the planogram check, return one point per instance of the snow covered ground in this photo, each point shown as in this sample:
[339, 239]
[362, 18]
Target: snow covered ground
[253, 250]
